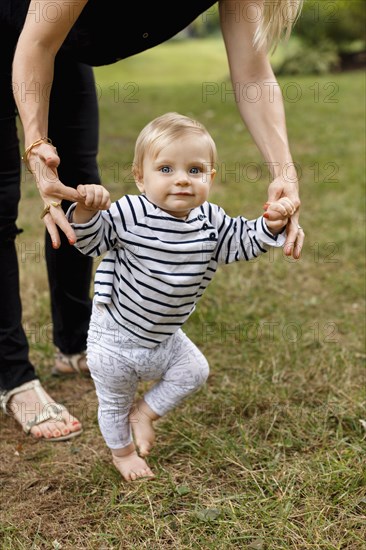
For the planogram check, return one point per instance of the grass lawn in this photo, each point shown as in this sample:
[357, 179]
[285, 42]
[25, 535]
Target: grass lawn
[270, 454]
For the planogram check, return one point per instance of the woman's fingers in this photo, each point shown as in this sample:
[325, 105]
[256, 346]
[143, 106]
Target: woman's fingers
[48, 153]
[280, 188]
[52, 230]
[95, 197]
[295, 237]
[299, 244]
[279, 211]
[287, 192]
[51, 188]
[43, 162]
[56, 217]
[56, 191]
[275, 189]
[43, 165]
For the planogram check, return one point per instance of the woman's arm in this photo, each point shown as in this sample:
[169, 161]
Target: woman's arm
[264, 117]
[33, 67]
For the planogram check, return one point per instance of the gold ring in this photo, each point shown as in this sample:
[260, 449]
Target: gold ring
[47, 207]
[45, 210]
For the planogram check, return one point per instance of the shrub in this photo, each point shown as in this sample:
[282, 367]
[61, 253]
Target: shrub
[311, 60]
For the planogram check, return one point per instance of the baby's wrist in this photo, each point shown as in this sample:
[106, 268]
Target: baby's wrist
[274, 228]
[82, 213]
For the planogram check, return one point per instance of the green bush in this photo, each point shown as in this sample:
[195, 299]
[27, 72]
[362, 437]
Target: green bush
[338, 21]
[321, 59]
[326, 30]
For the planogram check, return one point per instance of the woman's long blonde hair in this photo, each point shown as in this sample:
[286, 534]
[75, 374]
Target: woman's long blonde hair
[277, 20]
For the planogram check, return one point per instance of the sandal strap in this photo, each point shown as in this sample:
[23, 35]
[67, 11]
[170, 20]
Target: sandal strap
[35, 385]
[71, 360]
[52, 411]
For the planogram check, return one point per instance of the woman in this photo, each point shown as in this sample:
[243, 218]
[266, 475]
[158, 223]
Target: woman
[88, 33]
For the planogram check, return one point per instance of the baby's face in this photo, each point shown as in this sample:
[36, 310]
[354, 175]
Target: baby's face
[180, 177]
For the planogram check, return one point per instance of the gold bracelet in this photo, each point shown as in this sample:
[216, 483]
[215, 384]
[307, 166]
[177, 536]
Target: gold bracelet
[28, 149]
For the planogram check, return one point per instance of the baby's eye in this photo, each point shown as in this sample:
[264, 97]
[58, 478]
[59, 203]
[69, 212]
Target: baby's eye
[195, 170]
[165, 169]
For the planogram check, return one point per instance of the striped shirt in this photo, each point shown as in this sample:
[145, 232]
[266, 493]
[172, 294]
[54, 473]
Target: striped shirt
[156, 267]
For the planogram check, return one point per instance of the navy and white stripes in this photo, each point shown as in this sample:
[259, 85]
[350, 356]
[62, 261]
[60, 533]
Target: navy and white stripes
[156, 267]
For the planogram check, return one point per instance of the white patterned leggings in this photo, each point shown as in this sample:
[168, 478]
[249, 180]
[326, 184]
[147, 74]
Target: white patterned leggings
[117, 364]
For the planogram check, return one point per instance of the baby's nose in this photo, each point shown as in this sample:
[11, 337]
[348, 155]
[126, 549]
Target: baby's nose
[183, 179]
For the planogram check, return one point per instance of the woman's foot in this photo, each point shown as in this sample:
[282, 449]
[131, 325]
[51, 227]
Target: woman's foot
[141, 420]
[130, 465]
[26, 405]
[66, 365]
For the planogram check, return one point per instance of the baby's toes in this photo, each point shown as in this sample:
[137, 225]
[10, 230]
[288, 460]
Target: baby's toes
[146, 473]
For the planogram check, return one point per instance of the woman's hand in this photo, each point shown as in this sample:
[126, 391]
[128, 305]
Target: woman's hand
[43, 162]
[278, 188]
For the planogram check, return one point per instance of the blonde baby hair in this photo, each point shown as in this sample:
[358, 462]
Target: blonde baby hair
[164, 129]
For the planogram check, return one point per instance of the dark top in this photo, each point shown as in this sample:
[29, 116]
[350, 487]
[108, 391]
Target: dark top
[107, 31]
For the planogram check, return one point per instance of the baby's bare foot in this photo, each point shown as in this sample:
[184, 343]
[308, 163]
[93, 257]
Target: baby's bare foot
[141, 419]
[131, 466]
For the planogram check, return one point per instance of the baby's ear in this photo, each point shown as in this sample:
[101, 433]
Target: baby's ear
[138, 177]
[213, 174]
[140, 185]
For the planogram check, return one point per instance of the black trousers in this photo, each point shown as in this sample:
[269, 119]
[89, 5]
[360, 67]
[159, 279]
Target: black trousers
[73, 128]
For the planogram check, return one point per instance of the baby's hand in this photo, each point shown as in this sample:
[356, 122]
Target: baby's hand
[277, 213]
[96, 197]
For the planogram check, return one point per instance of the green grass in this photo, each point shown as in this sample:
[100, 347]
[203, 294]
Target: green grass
[270, 454]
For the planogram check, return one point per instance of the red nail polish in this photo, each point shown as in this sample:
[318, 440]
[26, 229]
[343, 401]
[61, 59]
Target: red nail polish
[265, 215]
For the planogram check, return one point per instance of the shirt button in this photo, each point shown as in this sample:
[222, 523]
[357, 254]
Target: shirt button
[205, 226]
[201, 217]
[212, 236]
[145, 35]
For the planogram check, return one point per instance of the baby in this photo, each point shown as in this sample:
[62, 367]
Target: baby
[161, 250]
